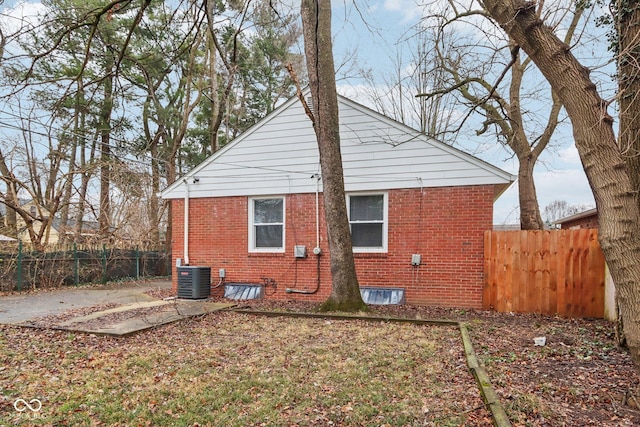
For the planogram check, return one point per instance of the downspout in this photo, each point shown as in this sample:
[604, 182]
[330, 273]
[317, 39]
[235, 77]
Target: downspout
[316, 251]
[186, 222]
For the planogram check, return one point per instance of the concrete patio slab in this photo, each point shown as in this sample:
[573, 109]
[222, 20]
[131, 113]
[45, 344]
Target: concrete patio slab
[122, 308]
[19, 308]
[146, 311]
[169, 312]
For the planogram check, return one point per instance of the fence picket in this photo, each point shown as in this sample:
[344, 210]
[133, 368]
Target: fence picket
[553, 272]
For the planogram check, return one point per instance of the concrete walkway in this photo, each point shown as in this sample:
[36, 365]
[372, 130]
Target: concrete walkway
[165, 312]
[146, 311]
[20, 308]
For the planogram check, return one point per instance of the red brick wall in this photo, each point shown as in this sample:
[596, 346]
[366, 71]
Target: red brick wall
[585, 222]
[444, 225]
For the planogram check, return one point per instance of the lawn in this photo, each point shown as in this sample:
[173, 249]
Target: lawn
[231, 369]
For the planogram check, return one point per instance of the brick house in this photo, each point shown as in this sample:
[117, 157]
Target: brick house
[418, 209]
[584, 219]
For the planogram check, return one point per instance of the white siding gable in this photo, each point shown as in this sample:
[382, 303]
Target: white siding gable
[279, 155]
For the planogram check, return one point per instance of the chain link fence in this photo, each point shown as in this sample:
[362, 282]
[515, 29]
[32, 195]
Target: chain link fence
[22, 269]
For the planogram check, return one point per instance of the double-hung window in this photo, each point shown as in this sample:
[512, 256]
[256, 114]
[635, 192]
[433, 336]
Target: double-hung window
[266, 224]
[368, 222]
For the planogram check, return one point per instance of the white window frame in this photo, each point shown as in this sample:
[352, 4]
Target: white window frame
[385, 222]
[252, 234]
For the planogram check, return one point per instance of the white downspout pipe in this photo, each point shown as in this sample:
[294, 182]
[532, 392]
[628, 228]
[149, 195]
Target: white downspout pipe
[316, 250]
[186, 222]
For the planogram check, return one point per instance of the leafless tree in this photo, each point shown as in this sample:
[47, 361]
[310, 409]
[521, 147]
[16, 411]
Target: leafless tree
[610, 176]
[491, 80]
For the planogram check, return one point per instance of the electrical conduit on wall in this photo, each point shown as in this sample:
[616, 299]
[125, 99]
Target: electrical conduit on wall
[316, 251]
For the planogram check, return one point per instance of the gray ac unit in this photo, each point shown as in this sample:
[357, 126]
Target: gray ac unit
[194, 282]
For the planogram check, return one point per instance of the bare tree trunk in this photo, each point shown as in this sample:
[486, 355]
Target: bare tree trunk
[154, 203]
[530, 218]
[213, 93]
[105, 150]
[10, 197]
[171, 177]
[85, 176]
[604, 165]
[316, 23]
[629, 87]
[73, 150]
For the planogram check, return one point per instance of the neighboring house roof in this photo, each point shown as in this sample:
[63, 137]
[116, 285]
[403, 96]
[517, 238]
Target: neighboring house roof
[4, 238]
[88, 227]
[3, 207]
[579, 215]
[506, 227]
[279, 155]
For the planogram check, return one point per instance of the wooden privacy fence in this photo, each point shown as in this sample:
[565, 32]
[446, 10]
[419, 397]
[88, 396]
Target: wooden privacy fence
[554, 272]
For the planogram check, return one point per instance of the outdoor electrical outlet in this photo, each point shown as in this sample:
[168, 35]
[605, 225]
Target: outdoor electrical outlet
[222, 273]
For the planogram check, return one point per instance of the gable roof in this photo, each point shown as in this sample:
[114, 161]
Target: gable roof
[279, 155]
[579, 215]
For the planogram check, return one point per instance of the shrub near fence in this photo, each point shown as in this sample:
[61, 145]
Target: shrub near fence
[21, 270]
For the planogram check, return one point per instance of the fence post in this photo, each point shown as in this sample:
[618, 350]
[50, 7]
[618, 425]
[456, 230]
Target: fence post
[137, 263]
[167, 257]
[104, 263]
[19, 272]
[76, 265]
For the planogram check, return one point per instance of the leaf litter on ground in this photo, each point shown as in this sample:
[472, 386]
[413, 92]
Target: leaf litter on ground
[234, 369]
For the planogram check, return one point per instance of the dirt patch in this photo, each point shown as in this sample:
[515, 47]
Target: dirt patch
[160, 293]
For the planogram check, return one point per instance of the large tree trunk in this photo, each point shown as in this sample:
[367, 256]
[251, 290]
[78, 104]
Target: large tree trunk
[604, 165]
[629, 88]
[316, 24]
[530, 218]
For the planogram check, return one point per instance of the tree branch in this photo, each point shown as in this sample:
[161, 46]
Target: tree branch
[305, 105]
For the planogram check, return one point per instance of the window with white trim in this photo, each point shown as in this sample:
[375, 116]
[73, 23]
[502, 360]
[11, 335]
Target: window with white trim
[368, 222]
[266, 224]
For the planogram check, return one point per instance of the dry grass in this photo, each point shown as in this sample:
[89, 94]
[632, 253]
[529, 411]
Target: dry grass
[237, 370]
